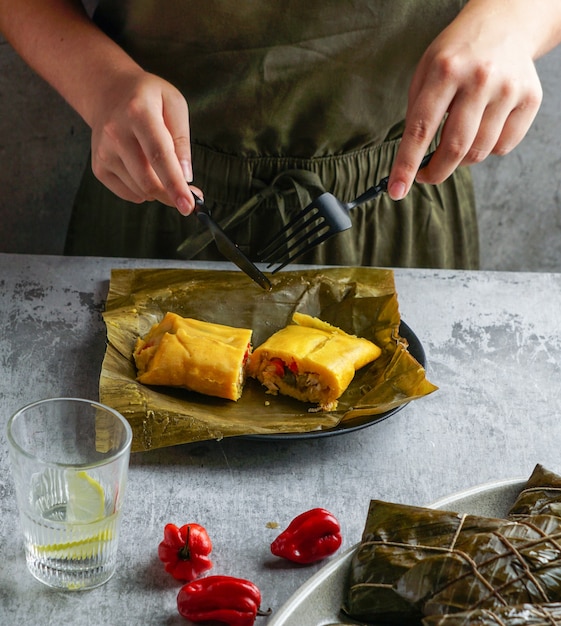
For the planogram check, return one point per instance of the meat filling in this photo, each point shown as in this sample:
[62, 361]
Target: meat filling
[276, 374]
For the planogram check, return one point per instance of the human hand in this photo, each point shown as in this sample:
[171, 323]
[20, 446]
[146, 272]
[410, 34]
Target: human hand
[141, 140]
[480, 75]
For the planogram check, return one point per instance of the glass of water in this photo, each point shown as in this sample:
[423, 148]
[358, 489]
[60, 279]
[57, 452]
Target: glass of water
[70, 459]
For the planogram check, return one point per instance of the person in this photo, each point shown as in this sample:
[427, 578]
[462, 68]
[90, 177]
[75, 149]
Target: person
[262, 106]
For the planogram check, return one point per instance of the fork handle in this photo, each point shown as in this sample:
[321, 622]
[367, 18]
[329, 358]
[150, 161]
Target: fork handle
[382, 186]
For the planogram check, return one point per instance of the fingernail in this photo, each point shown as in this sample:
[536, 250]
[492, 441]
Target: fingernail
[183, 206]
[187, 170]
[397, 191]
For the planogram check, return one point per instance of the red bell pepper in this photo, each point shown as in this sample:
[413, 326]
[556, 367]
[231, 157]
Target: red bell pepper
[185, 550]
[222, 599]
[281, 366]
[310, 537]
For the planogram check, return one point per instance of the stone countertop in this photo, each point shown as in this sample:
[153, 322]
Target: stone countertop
[493, 347]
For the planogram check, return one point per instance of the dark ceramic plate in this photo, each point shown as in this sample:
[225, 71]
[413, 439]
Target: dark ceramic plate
[415, 349]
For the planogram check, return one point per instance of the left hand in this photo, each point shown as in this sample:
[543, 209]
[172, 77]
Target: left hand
[480, 73]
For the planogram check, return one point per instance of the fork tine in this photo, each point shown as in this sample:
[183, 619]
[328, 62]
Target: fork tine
[302, 219]
[297, 254]
[303, 238]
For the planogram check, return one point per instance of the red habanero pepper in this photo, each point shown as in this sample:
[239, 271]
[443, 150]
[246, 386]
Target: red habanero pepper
[185, 550]
[310, 537]
[223, 599]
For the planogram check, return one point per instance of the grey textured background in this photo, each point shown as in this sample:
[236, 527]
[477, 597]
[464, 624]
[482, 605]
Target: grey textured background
[44, 148]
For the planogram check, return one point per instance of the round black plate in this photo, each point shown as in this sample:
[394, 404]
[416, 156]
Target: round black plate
[417, 352]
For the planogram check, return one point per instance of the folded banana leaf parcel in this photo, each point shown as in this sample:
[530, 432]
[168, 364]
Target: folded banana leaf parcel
[360, 301]
[416, 565]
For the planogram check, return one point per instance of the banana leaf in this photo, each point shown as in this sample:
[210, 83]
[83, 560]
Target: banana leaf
[414, 562]
[541, 495]
[361, 301]
[521, 615]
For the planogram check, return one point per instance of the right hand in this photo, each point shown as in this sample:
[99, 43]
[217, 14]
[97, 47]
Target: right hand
[141, 147]
[478, 75]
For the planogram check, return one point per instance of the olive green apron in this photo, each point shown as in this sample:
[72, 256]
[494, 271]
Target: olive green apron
[286, 101]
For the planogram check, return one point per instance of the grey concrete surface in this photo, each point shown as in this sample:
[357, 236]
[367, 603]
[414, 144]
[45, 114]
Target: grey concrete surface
[44, 148]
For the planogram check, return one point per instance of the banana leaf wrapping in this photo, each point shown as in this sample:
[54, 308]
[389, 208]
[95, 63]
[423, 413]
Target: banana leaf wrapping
[522, 615]
[361, 301]
[541, 494]
[415, 562]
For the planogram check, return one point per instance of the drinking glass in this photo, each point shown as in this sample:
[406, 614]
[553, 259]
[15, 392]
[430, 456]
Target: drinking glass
[69, 458]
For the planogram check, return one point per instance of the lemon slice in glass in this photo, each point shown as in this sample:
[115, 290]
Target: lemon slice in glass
[87, 528]
[86, 498]
[85, 548]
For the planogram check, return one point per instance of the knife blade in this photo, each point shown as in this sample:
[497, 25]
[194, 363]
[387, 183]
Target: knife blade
[228, 248]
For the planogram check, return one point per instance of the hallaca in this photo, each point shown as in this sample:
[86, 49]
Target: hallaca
[415, 562]
[520, 615]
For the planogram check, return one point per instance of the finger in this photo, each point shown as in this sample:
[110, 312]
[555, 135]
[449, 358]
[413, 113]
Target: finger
[117, 152]
[505, 123]
[176, 118]
[198, 191]
[514, 130]
[459, 133]
[491, 125]
[142, 185]
[520, 119]
[131, 166]
[507, 118]
[422, 122]
[159, 145]
[163, 162]
[476, 115]
[113, 173]
[119, 188]
[485, 140]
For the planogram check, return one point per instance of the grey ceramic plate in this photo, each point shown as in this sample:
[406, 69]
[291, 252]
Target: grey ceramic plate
[317, 602]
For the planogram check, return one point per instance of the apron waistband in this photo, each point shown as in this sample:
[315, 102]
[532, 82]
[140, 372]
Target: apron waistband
[237, 186]
[230, 180]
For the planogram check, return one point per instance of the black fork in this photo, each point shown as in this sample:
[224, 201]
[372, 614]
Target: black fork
[321, 219]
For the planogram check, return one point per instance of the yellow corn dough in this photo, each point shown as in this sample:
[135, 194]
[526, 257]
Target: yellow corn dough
[200, 356]
[318, 361]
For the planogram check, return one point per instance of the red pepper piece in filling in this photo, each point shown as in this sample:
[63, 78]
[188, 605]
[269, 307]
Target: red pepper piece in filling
[185, 550]
[280, 366]
[221, 599]
[293, 366]
[310, 537]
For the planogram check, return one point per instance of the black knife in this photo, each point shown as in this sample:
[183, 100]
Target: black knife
[227, 247]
